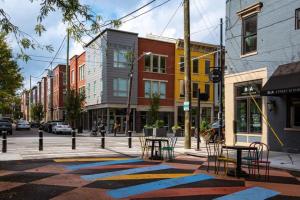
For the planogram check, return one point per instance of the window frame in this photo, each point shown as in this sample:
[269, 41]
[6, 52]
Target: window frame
[117, 91]
[195, 92]
[243, 37]
[297, 19]
[195, 59]
[181, 64]
[117, 63]
[160, 70]
[159, 82]
[207, 69]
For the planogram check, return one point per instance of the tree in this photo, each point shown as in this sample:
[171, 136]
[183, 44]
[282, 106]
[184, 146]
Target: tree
[10, 77]
[80, 19]
[153, 110]
[37, 112]
[73, 106]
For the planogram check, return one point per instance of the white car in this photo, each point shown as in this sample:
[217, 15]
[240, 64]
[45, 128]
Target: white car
[59, 127]
[22, 124]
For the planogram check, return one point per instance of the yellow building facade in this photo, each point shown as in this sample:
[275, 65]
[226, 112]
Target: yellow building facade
[201, 66]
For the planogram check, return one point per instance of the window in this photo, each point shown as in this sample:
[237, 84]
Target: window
[297, 19]
[121, 58]
[89, 90]
[195, 66]
[249, 34]
[147, 89]
[182, 88]
[181, 64]
[248, 117]
[195, 88]
[120, 87]
[72, 76]
[294, 113]
[155, 87]
[155, 63]
[207, 89]
[207, 66]
[147, 59]
[81, 73]
[94, 88]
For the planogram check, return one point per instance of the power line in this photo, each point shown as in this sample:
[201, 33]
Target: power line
[172, 16]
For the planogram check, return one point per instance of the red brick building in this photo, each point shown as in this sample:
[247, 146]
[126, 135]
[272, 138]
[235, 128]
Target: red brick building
[59, 87]
[77, 68]
[155, 76]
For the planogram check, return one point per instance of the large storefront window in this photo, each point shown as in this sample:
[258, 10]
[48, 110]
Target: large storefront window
[248, 118]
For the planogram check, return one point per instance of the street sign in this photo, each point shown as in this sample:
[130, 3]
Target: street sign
[186, 106]
[215, 75]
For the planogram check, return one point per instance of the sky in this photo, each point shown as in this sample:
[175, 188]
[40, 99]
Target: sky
[204, 14]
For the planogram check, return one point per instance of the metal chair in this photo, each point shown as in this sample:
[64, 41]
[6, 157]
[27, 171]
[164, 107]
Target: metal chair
[210, 148]
[169, 148]
[144, 146]
[222, 155]
[262, 158]
[251, 156]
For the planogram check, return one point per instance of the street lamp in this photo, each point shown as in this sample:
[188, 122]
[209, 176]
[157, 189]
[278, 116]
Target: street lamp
[133, 61]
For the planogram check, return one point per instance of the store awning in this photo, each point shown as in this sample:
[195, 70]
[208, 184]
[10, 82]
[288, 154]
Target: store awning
[284, 81]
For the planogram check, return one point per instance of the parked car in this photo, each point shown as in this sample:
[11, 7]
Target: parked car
[34, 124]
[5, 125]
[7, 119]
[22, 124]
[49, 125]
[62, 128]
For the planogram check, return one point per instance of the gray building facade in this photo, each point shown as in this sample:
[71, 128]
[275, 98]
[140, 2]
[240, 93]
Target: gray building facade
[107, 78]
[263, 50]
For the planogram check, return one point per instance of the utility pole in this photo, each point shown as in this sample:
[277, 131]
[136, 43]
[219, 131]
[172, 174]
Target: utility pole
[187, 74]
[129, 93]
[67, 66]
[221, 68]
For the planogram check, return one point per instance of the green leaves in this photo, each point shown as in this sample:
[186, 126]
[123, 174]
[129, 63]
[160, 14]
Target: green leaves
[37, 112]
[39, 29]
[73, 105]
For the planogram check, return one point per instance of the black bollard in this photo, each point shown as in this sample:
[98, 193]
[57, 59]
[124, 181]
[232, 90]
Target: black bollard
[4, 142]
[102, 139]
[129, 139]
[41, 140]
[73, 139]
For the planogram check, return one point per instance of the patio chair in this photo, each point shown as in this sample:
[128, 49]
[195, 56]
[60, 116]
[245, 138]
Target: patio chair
[210, 148]
[222, 155]
[262, 158]
[169, 148]
[144, 146]
[251, 156]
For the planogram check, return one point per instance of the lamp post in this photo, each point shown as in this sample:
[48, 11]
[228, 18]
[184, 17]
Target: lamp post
[133, 61]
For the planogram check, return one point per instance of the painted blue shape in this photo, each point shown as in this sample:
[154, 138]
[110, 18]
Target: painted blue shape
[156, 185]
[256, 193]
[124, 172]
[104, 163]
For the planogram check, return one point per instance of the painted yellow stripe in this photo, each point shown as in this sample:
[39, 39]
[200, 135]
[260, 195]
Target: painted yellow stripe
[87, 159]
[144, 176]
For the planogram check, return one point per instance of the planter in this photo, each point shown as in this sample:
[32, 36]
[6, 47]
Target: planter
[161, 132]
[148, 131]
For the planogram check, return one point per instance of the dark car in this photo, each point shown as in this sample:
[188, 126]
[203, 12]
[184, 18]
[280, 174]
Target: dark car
[34, 124]
[5, 125]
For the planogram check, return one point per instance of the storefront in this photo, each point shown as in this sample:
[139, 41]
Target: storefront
[283, 93]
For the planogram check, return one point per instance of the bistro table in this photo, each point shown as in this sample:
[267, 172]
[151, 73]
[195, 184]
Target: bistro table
[239, 149]
[155, 156]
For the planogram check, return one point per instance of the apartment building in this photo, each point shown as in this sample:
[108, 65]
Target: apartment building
[202, 61]
[58, 92]
[155, 76]
[263, 69]
[107, 78]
